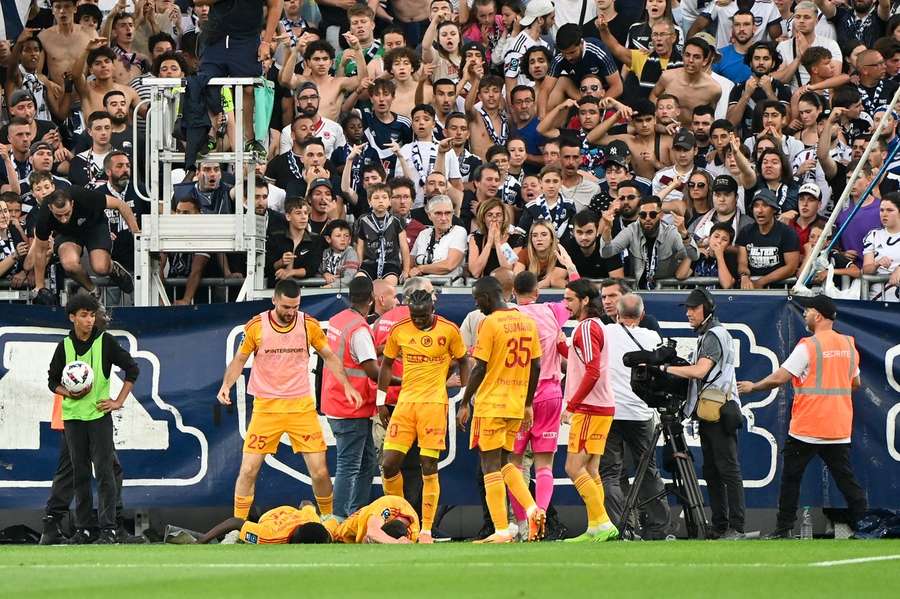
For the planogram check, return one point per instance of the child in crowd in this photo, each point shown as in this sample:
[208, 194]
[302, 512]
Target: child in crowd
[381, 241]
[339, 260]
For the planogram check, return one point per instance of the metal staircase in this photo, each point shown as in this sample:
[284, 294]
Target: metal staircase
[163, 231]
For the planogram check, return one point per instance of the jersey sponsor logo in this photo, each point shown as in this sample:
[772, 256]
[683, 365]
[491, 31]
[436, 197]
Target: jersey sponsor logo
[251, 538]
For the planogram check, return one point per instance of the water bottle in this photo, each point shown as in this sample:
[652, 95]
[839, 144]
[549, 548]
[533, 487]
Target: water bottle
[509, 253]
[806, 525]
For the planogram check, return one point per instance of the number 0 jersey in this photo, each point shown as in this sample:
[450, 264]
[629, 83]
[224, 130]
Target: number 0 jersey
[389, 507]
[508, 340]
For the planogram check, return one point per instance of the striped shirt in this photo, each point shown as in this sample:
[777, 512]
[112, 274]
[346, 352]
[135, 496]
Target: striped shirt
[595, 60]
[512, 61]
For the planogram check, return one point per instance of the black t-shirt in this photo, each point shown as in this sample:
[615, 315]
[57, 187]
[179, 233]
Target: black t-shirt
[43, 128]
[89, 210]
[241, 19]
[307, 253]
[782, 92]
[618, 27]
[592, 266]
[765, 253]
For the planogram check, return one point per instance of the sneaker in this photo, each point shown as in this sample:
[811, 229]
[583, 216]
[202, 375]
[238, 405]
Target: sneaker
[121, 277]
[52, 533]
[232, 538]
[497, 537]
[731, 535]
[537, 523]
[780, 534]
[842, 531]
[175, 535]
[82, 536]
[256, 147]
[425, 538]
[127, 538]
[606, 534]
[107, 536]
[585, 537]
[210, 146]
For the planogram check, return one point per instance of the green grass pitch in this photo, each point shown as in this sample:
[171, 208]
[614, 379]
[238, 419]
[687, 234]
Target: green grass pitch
[664, 570]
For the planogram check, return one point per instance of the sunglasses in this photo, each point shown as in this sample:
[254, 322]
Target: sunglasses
[589, 88]
[693, 184]
[648, 215]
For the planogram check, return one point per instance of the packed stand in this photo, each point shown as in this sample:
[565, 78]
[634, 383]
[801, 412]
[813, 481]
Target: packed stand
[703, 141]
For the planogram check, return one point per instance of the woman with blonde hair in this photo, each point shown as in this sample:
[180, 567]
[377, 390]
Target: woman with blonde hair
[546, 258]
[491, 245]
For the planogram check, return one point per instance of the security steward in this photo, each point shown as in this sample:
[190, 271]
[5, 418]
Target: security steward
[824, 371]
[713, 401]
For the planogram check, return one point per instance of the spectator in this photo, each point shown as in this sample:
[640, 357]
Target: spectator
[543, 256]
[487, 186]
[20, 138]
[866, 218]
[881, 251]
[792, 72]
[698, 200]
[655, 249]
[213, 195]
[297, 252]
[510, 191]
[456, 129]
[380, 240]
[717, 259]
[724, 210]
[117, 172]
[422, 153]
[185, 265]
[770, 247]
[775, 175]
[684, 150]
[583, 248]
[492, 244]
[441, 248]
[809, 199]
[86, 169]
[13, 247]
[733, 65]
[323, 205]
[574, 186]
[339, 260]
[762, 58]
[550, 206]
[611, 291]
[844, 265]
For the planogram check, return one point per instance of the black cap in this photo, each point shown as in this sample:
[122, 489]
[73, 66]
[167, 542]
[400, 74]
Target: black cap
[40, 145]
[20, 95]
[306, 85]
[699, 297]
[644, 107]
[684, 139]
[321, 182]
[820, 303]
[618, 153]
[768, 196]
[725, 183]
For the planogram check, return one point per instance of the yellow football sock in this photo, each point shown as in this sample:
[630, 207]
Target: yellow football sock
[431, 491]
[495, 495]
[512, 476]
[326, 504]
[393, 485]
[592, 494]
[597, 480]
[242, 505]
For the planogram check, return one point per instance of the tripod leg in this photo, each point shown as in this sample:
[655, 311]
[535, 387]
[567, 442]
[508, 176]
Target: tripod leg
[631, 501]
[688, 486]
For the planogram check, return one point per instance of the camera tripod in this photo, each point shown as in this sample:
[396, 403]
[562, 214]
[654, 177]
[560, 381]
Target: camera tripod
[684, 483]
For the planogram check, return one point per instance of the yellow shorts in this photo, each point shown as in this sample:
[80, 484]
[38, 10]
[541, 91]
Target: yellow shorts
[303, 428]
[588, 433]
[489, 433]
[422, 422]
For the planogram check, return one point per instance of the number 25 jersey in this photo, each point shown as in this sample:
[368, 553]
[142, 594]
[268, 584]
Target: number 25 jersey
[508, 341]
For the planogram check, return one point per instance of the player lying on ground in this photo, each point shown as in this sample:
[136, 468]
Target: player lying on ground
[387, 520]
[281, 525]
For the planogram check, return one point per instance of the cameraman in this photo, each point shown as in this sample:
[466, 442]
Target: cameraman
[713, 401]
[633, 422]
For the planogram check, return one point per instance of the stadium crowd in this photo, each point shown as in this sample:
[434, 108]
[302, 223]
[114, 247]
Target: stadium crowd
[599, 139]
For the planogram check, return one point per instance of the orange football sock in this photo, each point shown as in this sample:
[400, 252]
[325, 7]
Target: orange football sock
[495, 495]
[512, 476]
[431, 492]
[326, 504]
[393, 485]
[242, 506]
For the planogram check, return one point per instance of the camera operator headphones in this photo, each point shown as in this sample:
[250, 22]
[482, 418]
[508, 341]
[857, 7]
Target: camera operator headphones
[701, 297]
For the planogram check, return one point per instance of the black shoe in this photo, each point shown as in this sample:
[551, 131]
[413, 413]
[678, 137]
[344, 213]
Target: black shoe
[121, 277]
[731, 535]
[82, 536]
[52, 533]
[108, 536]
[780, 534]
[125, 538]
[256, 147]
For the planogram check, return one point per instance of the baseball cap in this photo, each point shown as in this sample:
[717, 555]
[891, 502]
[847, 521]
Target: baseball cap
[20, 95]
[767, 196]
[322, 182]
[710, 41]
[618, 153]
[306, 85]
[699, 297]
[38, 146]
[535, 9]
[684, 139]
[811, 189]
[644, 107]
[821, 303]
[725, 183]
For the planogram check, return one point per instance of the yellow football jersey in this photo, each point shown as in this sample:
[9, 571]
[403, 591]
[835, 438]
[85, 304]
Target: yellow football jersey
[426, 358]
[389, 507]
[507, 341]
[277, 525]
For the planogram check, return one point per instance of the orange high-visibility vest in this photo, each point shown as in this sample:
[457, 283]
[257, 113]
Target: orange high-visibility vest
[823, 407]
[341, 328]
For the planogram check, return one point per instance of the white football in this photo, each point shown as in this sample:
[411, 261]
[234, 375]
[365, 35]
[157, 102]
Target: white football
[77, 376]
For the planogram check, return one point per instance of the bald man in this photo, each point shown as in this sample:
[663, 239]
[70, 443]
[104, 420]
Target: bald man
[385, 299]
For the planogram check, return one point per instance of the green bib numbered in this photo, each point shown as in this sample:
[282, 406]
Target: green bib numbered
[86, 408]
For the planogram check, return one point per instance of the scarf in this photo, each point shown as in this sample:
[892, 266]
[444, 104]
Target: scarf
[499, 140]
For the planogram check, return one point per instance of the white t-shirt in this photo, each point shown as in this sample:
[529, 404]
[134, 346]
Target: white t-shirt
[786, 49]
[628, 405]
[790, 146]
[513, 67]
[879, 243]
[798, 365]
[454, 239]
[276, 198]
[582, 193]
[764, 13]
[330, 132]
[421, 156]
[727, 85]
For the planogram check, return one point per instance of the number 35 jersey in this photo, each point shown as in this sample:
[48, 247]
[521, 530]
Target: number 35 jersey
[508, 341]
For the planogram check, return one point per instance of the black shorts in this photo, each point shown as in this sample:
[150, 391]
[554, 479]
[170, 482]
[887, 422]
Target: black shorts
[370, 268]
[92, 237]
[231, 57]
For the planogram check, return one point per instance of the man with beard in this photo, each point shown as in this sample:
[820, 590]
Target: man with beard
[701, 122]
[574, 185]
[763, 59]
[116, 105]
[307, 105]
[691, 83]
[117, 166]
[289, 170]
[592, 156]
[487, 186]
[874, 87]
[444, 99]
[525, 123]
[536, 22]
[732, 65]
[859, 19]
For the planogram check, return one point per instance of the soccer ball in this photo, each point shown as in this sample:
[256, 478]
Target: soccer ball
[77, 376]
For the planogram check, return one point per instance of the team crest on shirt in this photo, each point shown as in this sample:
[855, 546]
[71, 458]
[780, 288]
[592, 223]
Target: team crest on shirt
[442, 341]
[426, 341]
